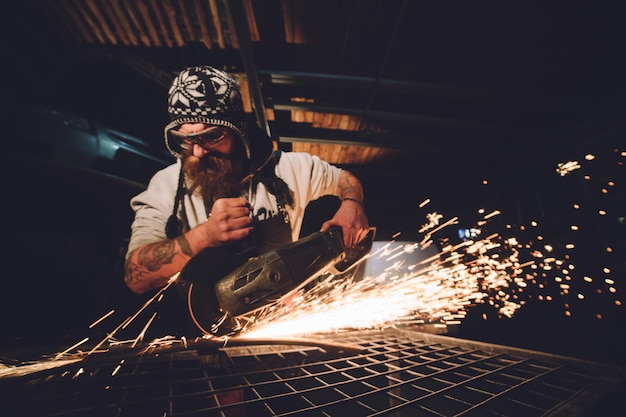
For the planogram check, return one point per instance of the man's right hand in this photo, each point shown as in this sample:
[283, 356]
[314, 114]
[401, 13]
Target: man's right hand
[152, 266]
[228, 221]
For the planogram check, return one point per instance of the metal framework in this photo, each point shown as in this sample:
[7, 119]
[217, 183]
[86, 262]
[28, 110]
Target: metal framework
[392, 372]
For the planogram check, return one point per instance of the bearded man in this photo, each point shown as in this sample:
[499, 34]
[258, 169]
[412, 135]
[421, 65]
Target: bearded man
[228, 188]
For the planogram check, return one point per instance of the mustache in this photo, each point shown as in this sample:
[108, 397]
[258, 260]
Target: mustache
[212, 160]
[215, 154]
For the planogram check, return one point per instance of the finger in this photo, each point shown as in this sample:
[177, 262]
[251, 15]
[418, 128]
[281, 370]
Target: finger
[348, 239]
[237, 202]
[223, 204]
[230, 210]
[358, 236]
[240, 223]
[240, 233]
[362, 235]
[241, 208]
[239, 213]
[326, 225]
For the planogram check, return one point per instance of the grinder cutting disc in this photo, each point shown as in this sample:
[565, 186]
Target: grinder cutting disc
[199, 276]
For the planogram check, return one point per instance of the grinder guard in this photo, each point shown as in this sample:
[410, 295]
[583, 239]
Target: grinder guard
[266, 278]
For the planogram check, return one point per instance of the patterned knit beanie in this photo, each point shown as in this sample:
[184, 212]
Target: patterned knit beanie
[204, 95]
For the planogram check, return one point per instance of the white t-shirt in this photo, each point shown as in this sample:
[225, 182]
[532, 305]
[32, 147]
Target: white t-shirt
[307, 176]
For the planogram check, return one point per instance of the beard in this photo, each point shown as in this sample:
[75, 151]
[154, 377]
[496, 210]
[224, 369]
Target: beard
[214, 175]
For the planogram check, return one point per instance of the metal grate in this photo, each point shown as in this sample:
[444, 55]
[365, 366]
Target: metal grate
[391, 372]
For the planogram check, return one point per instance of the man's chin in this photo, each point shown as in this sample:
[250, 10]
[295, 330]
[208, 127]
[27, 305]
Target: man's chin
[213, 178]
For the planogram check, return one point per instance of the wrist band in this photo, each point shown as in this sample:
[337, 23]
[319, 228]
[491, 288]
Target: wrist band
[353, 199]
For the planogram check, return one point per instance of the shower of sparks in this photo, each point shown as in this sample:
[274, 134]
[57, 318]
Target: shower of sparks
[156, 298]
[437, 290]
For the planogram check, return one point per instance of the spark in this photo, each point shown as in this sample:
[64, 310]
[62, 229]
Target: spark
[564, 168]
[7, 371]
[423, 203]
[101, 319]
[433, 220]
[117, 368]
[493, 213]
[144, 330]
[158, 296]
[125, 323]
[72, 348]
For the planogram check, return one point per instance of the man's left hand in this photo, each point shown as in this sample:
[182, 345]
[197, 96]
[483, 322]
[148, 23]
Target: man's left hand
[353, 222]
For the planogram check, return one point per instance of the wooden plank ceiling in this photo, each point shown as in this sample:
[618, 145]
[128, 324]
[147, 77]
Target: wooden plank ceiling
[176, 23]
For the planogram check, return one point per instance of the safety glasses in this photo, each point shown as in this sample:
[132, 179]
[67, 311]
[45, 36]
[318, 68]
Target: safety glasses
[206, 138]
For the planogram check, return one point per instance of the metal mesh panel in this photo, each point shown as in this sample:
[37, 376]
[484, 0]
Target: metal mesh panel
[366, 373]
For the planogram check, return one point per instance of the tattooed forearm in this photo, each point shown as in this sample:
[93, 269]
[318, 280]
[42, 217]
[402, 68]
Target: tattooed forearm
[153, 256]
[350, 186]
[137, 275]
[147, 267]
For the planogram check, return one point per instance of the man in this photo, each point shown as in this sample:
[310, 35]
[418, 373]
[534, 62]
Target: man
[227, 188]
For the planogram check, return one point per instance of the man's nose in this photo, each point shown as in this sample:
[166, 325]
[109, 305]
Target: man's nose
[199, 151]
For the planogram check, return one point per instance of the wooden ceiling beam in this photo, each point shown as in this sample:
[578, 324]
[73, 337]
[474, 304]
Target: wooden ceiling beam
[413, 119]
[145, 39]
[159, 17]
[203, 22]
[78, 21]
[147, 20]
[252, 26]
[86, 17]
[416, 88]
[186, 21]
[170, 13]
[104, 26]
[120, 29]
[217, 23]
[123, 21]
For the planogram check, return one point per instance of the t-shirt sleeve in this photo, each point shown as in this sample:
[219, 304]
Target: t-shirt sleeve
[152, 208]
[309, 176]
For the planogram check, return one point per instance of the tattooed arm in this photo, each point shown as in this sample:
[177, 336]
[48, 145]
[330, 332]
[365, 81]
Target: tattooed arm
[151, 266]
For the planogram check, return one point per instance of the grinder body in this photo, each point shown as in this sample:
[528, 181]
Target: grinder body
[265, 278]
